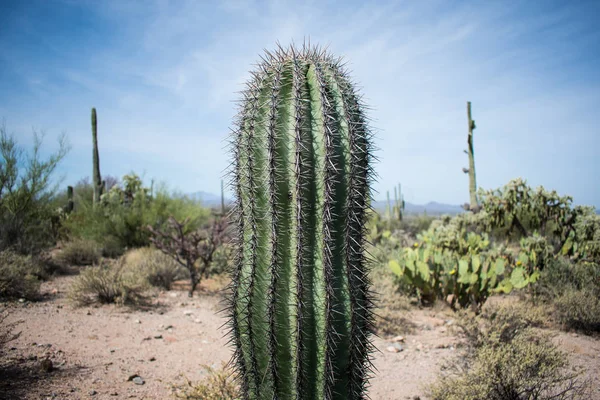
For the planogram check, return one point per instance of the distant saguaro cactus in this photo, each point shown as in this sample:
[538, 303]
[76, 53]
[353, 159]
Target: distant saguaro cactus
[473, 205]
[97, 179]
[300, 306]
[70, 204]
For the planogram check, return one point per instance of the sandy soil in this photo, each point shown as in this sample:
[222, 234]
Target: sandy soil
[95, 351]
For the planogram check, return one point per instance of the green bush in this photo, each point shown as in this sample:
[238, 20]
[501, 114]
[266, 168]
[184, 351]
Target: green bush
[105, 284]
[26, 194]
[20, 276]
[120, 221]
[79, 252]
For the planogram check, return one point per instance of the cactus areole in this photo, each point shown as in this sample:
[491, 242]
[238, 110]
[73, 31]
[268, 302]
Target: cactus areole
[300, 308]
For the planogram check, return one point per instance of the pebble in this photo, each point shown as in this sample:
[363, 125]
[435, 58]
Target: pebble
[398, 339]
[92, 392]
[187, 312]
[137, 321]
[138, 380]
[395, 348]
[152, 359]
[157, 336]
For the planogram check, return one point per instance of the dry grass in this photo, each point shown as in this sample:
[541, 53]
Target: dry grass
[219, 385]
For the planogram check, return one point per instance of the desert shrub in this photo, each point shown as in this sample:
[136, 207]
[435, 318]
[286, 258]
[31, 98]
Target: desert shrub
[154, 267]
[20, 276]
[105, 284]
[222, 260]
[194, 250]
[528, 367]
[219, 385]
[79, 252]
[561, 275]
[507, 359]
[579, 309]
[26, 193]
[119, 222]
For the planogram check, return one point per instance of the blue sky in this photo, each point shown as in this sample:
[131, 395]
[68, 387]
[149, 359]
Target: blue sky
[164, 78]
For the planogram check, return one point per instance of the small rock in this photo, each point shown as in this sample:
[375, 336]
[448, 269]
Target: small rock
[398, 339]
[157, 336]
[21, 300]
[147, 338]
[138, 380]
[393, 349]
[152, 359]
[169, 327]
[92, 392]
[198, 321]
[441, 346]
[137, 321]
[114, 394]
[88, 312]
[112, 350]
[187, 312]
[173, 294]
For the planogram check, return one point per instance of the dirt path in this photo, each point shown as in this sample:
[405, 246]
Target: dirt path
[95, 350]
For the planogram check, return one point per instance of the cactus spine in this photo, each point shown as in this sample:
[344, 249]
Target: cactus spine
[300, 307]
[474, 205]
[97, 179]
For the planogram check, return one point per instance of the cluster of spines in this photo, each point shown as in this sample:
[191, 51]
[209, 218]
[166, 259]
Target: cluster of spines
[348, 325]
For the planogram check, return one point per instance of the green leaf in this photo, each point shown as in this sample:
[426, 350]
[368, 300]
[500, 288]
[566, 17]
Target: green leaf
[465, 278]
[463, 267]
[476, 262]
[534, 276]
[523, 258]
[500, 267]
[517, 278]
[504, 287]
[386, 234]
[423, 269]
[395, 267]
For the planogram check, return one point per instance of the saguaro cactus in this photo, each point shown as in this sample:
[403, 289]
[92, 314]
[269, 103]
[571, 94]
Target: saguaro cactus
[98, 183]
[70, 204]
[300, 306]
[474, 205]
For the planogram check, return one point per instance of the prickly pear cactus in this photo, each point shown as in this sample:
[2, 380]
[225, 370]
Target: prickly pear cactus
[300, 306]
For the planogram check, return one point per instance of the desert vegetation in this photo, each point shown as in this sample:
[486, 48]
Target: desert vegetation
[310, 275]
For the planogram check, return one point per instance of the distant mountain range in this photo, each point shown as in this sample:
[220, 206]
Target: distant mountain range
[431, 208]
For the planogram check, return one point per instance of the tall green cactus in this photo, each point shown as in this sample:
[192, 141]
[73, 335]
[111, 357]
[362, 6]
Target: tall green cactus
[70, 204]
[474, 205]
[300, 307]
[399, 203]
[98, 183]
